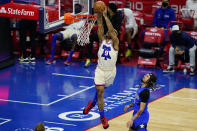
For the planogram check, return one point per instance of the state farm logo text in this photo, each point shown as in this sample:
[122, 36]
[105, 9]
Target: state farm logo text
[16, 11]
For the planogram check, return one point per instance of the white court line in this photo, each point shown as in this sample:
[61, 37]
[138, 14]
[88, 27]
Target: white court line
[182, 98]
[65, 97]
[60, 123]
[61, 95]
[6, 120]
[70, 95]
[83, 86]
[24, 102]
[72, 75]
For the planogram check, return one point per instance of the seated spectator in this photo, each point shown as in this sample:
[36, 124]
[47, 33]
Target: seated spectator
[40, 127]
[70, 32]
[116, 20]
[130, 26]
[192, 4]
[164, 15]
[180, 43]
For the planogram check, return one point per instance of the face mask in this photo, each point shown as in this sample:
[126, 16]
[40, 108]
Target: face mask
[164, 4]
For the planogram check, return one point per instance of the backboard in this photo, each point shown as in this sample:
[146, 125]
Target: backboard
[53, 12]
[48, 13]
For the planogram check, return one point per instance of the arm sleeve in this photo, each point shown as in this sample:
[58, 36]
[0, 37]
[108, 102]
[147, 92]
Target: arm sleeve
[144, 95]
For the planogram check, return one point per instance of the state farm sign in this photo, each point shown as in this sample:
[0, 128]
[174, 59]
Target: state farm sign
[17, 11]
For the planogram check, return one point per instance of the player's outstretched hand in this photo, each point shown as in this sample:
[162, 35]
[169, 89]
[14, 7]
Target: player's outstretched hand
[126, 107]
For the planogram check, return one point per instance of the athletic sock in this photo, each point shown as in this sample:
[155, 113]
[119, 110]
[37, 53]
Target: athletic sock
[53, 44]
[70, 55]
[102, 114]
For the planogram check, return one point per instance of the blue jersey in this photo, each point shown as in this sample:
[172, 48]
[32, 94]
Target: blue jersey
[162, 17]
[142, 95]
[138, 99]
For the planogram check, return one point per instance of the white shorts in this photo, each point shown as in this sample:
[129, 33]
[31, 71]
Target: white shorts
[135, 30]
[68, 33]
[104, 78]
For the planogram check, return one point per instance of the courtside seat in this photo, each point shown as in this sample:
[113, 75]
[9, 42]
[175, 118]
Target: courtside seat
[151, 48]
[188, 23]
[186, 16]
[148, 20]
[148, 53]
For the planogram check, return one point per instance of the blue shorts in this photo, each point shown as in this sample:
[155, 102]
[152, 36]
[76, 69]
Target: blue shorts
[140, 124]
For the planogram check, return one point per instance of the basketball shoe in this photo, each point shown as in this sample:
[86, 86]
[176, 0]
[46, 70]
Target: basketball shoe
[87, 109]
[104, 122]
[50, 61]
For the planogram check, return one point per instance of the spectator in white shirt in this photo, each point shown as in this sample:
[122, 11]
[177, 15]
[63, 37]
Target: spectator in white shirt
[130, 26]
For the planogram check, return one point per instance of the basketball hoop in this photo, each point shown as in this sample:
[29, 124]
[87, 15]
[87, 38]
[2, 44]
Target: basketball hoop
[84, 32]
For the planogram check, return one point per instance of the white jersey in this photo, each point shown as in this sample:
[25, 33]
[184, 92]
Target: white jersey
[130, 20]
[107, 56]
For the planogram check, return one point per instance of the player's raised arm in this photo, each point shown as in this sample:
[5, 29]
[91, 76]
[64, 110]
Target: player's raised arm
[112, 32]
[100, 27]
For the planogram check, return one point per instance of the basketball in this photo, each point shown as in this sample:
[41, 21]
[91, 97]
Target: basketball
[99, 7]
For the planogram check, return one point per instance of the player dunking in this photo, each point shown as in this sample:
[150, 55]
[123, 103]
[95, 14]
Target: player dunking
[106, 68]
[139, 120]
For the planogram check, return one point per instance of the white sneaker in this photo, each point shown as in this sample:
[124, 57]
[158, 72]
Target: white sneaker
[25, 61]
[32, 60]
[192, 71]
[169, 69]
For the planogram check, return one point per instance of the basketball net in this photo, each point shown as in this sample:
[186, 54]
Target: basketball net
[84, 32]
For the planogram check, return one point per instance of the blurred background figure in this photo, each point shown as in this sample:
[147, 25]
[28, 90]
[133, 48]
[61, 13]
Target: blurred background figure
[27, 26]
[130, 26]
[180, 43]
[163, 15]
[192, 4]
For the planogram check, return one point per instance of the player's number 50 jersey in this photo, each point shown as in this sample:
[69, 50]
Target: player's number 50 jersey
[107, 56]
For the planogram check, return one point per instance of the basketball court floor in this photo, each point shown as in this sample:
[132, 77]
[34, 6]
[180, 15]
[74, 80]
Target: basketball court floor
[56, 95]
